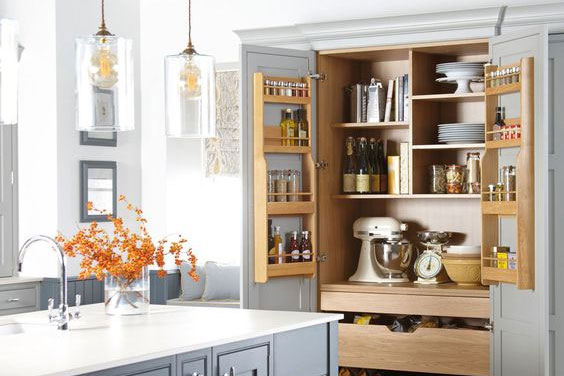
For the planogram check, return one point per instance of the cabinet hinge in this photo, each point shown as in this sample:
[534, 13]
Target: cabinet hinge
[322, 257]
[318, 76]
[321, 165]
[490, 326]
[12, 177]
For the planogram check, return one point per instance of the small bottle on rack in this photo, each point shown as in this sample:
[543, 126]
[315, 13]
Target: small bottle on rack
[271, 185]
[498, 125]
[271, 260]
[302, 127]
[293, 185]
[305, 247]
[294, 248]
[287, 127]
[278, 247]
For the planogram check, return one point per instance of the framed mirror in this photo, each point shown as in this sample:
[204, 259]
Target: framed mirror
[98, 184]
[98, 138]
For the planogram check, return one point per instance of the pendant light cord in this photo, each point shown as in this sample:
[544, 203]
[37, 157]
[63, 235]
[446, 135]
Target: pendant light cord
[102, 30]
[190, 48]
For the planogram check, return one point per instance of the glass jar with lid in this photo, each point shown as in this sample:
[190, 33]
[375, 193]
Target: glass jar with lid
[271, 185]
[455, 178]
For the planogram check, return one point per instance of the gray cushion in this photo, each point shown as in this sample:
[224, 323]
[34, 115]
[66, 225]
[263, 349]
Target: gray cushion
[222, 281]
[190, 290]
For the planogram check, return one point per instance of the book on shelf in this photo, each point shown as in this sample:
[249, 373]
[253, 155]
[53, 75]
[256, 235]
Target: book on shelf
[405, 97]
[389, 100]
[400, 99]
[404, 168]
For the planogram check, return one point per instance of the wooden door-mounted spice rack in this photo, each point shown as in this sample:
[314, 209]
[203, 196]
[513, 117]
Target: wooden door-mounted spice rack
[268, 139]
[499, 81]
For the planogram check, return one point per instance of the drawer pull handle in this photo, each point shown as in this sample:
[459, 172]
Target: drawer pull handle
[13, 300]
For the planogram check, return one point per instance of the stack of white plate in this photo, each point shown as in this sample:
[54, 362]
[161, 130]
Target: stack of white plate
[461, 73]
[461, 133]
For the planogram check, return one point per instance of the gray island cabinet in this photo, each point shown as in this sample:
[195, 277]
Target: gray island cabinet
[306, 352]
[174, 341]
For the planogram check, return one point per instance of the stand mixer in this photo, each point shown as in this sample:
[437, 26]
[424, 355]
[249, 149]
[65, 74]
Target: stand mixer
[384, 255]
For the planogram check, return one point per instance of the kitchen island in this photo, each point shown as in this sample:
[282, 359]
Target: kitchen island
[171, 341]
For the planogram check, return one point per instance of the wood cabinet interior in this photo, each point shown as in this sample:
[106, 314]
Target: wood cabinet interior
[430, 104]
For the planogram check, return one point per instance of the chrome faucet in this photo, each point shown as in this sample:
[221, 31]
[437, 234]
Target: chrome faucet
[63, 316]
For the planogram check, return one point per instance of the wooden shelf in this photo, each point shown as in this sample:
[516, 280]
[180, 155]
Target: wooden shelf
[499, 275]
[283, 149]
[287, 100]
[499, 207]
[501, 144]
[381, 125]
[448, 146]
[409, 196]
[290, 208]
[504, 89]
[291, 269]
[466, 97]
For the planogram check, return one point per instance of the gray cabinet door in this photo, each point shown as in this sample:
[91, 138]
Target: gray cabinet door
[556, 203]
[248, 358]
[7, 200]
[520, 317]
[292, 293]
[196, 363]
[156, 367]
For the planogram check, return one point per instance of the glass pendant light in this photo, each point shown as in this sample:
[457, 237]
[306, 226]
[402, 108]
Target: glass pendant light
[104, 82]
[190, 92]
[9, 51]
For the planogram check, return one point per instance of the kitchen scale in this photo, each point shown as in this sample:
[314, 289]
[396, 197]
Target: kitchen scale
[429, 264]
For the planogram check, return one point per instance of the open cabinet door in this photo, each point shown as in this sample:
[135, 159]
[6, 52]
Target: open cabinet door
[295, 293]
[520, 317]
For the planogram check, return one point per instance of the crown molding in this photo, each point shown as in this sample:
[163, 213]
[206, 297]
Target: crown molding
[544, 14]
[465, 24]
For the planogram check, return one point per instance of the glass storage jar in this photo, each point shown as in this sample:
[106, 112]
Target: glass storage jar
[293, 185]
[281, 186]
[271, 185]
[437, 179]
[455, 178]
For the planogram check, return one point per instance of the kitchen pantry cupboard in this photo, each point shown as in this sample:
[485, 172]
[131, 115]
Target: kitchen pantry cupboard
[337, 250]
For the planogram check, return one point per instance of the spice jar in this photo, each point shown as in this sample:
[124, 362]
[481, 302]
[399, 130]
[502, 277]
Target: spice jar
[455, 178]
[266, 87]
[437, 179]
[491, 196]
[499, 192]
[509, 182]
[473, 172]
[271, 185]
[293, 185]
[281, 186]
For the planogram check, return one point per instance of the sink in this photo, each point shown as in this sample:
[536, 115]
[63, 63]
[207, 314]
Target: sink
[19, 328]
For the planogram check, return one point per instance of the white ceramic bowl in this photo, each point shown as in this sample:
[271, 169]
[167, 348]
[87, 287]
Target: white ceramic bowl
[464, 249]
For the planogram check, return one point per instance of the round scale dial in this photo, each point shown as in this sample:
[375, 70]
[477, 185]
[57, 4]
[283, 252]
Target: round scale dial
[428, 265]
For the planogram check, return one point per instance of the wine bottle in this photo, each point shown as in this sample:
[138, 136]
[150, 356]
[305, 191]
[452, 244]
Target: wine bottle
[349, 167]
[374, 166]
[362, 177]
[383, 167]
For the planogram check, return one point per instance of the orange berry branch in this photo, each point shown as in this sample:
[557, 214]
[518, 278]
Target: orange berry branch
[126, 253]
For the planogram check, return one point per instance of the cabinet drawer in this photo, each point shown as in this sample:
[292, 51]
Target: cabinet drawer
[194, 363]
[450, 351]
[18, 298]
[425, 305]
[252, 361]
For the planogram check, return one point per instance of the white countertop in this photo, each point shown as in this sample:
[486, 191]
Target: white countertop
[14, 280]
[98, 341]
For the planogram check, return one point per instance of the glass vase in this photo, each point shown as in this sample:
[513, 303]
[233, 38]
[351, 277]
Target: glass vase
[127, 297]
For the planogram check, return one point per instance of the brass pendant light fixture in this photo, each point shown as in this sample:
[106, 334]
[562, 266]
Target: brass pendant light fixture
[190, 92]
[104, 81]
